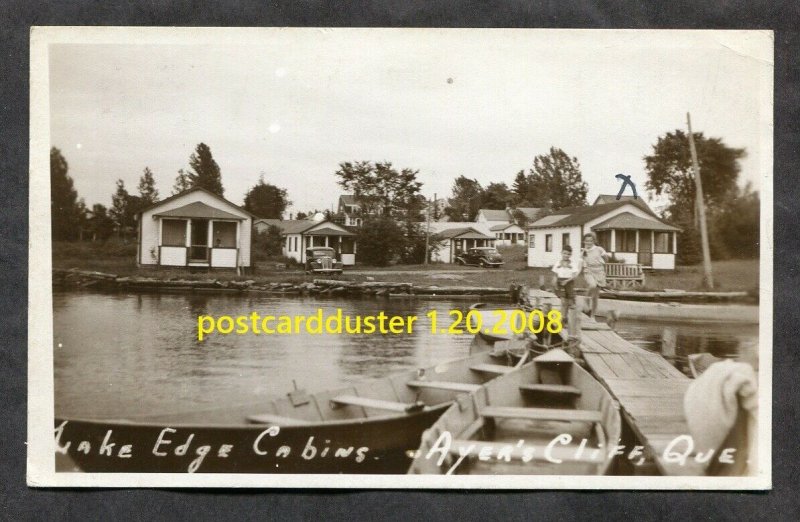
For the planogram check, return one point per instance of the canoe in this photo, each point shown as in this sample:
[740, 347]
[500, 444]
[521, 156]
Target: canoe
[369, 427]
[547, 417]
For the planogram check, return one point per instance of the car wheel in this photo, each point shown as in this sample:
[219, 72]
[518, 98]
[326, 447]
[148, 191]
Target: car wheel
[483, 264]
[460, 262]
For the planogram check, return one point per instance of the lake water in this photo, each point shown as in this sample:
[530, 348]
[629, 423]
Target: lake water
[120, 354]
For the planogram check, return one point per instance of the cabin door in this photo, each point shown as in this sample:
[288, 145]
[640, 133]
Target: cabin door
[645, 256]
[198, 250]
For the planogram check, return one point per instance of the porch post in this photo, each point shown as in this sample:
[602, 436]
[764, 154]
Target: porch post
[238, 242]
[613, 244]
[210, 241]
[674, 243]
[637, 244]
[188, 240]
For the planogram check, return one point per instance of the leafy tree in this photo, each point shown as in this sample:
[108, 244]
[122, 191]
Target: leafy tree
[182, 182]
[669, 171]
[381, 240]
[147, 188]
[554, 181]
[380, 188]
[497, 196]
[101, 225]
[124, 208]
[520, 218]
[738, 224]
[266, 201]
[301, 215]
[465, 201]
[520, 189]
[205, 171]
[64, 209]
[268, 243]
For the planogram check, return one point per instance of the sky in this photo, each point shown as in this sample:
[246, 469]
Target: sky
[294, 103]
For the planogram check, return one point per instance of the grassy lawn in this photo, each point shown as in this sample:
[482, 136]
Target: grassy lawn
[118, 258]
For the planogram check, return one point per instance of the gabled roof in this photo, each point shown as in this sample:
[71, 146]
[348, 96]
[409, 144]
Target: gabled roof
[300, 226]
[494, 215]
[631, 222]
[503, 226]
[575, 216]
[611, 198]
[531, 213]
[189, 191]
[348, 199]
[462, 233]
[198, 209]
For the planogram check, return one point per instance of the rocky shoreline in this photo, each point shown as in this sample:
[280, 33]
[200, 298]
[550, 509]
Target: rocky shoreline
[82, 279]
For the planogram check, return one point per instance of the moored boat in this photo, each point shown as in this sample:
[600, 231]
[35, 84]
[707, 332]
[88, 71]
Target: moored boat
[369, 427]
[547, 417]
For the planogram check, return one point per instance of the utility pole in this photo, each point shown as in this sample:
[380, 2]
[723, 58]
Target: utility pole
[708, 278]
[428, 229]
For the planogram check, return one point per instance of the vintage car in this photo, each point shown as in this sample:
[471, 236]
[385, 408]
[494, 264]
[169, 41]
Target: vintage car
[322, 260]
[481, 256]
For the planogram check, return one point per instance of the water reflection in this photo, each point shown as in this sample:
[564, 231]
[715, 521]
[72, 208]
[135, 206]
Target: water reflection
[122, 354]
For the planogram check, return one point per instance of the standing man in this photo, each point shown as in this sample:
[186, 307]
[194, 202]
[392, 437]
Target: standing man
[594, 267]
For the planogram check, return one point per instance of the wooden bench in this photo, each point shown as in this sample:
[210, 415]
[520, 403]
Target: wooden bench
[445, 385]
[498, 369]
[552, 414]
[557, 389]
[570, 453]
[276, 420]
[623, 275]
[377, 404]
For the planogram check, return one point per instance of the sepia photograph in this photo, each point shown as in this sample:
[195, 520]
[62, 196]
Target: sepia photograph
[409, 258]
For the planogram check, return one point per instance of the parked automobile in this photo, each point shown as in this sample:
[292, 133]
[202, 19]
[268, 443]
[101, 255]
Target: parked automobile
[322, 260]
[481, 256]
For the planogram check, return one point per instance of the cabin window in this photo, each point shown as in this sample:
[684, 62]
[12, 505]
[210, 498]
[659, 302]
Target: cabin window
[564, 240]
[626, 240]
[663, 243]
[173, 232]
[548, 243]
[604, 240]
[224, 234]
[532, 241]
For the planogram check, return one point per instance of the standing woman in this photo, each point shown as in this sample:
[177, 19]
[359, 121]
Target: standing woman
[594, 267]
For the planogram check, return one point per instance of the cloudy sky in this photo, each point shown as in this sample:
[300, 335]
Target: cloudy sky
[293, 104]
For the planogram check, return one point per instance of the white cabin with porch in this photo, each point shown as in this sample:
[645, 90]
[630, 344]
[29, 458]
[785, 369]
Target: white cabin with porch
[454, 237]
[195, 228]
[627, 228]
[299, 234]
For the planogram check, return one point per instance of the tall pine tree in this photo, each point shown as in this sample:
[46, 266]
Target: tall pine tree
[147, 188]
[205, 171]
[64, 208]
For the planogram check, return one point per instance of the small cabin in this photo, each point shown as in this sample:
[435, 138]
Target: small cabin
[626, 228]
[300, 234]
[452, 238]
[195, 228]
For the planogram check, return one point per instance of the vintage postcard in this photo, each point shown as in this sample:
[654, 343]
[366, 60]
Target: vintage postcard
[400, 258]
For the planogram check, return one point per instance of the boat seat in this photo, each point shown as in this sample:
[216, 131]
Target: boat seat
[559, 389]
[491, 368]
[445, 385]
[365, 402]
[277, 420]
[529, 451]
[503, 412]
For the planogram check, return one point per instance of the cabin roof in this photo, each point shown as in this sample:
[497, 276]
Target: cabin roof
[629, 221]
[575, 216]
[300, 226]
[494, 214]
[189, 191]
[198, 209]
[462, 233]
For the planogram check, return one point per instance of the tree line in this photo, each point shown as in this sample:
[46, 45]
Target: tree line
[394, 209]
[73, 220]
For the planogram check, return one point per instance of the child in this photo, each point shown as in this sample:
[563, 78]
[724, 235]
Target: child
[594, 267]
[566, 271]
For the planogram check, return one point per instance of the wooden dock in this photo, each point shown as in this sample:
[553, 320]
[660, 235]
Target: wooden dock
[649, 390]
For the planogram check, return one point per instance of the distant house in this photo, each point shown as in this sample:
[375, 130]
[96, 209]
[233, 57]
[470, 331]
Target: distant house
[503, 223]
[299, 234]
[627, 228]
[349, 210]
[195, 228]
[454, 237]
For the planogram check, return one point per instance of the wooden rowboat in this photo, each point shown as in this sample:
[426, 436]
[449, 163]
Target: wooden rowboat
[369, 427]
[548, 417]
